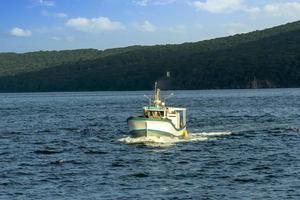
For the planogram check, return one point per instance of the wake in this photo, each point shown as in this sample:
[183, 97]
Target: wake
[164, 141]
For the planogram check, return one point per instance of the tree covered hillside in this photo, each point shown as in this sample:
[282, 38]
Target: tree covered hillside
[268, 58]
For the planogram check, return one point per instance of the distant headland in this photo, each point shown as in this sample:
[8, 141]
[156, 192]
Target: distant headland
[268, 58]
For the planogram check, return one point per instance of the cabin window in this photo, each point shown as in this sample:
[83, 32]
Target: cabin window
[162, 114]
[154, 114]
[182, 119]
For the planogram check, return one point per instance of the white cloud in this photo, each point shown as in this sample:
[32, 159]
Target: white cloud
[252, 10]
[286, 10]
[94, 24]
[19, 32]
[153, 2]
[57, 15]
[46, 3]
[56, 38]
[219, 6]
[146, 26]
[142, 2]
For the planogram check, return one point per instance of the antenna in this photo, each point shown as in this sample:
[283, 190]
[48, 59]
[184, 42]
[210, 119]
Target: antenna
[149, 98]
[169, 96]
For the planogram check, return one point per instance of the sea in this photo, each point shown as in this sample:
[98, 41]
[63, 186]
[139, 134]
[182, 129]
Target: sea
[242, 144]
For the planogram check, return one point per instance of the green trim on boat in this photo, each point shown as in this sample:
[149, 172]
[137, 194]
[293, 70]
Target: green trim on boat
[149, 132]
[147, 119]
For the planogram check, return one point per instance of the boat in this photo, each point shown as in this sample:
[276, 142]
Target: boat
[159, 119]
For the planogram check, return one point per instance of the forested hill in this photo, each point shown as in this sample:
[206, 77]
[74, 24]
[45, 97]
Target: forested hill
[260, 59]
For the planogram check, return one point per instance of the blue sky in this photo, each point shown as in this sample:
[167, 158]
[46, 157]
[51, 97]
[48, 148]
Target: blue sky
[32, 25]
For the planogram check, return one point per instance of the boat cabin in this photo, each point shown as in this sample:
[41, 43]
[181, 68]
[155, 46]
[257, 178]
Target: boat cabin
[176, 115]
[157, 109]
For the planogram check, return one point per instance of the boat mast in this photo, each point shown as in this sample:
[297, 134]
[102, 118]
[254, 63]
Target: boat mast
[157, 102]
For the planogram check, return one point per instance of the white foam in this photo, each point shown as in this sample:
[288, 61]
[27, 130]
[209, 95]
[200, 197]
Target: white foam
[214, 133]
[169, 141]
[150, 140]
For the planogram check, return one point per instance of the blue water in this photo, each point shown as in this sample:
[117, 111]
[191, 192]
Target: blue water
[244, 144]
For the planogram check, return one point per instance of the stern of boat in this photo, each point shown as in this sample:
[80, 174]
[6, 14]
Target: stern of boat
[143, 127]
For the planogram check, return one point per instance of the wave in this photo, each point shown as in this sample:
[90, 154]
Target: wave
[294, 129]
[164, 141]
[214, 133]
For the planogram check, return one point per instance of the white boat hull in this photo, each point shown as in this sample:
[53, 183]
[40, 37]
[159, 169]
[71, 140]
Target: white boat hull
[143, 127]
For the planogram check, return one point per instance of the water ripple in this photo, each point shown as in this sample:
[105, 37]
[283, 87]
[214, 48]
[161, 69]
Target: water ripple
[244, 144]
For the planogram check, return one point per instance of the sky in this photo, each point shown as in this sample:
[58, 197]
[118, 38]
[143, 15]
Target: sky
[34, 25]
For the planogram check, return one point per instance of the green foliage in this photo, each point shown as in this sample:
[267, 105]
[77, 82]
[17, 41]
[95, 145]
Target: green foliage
[268, 58]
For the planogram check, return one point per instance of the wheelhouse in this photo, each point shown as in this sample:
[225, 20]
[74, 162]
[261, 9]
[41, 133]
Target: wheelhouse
[176, 115]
